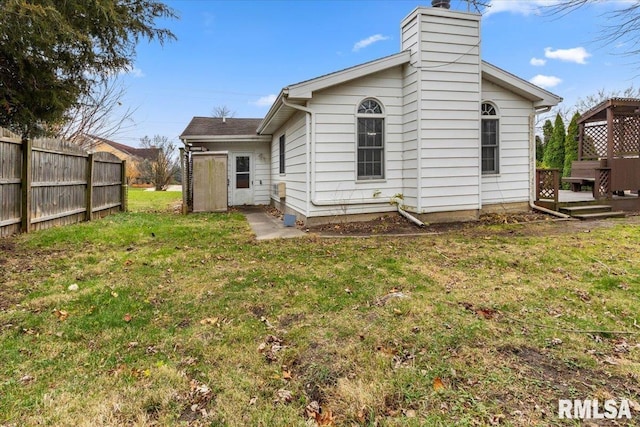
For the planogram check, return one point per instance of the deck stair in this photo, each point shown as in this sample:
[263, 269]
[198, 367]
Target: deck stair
[584, 211]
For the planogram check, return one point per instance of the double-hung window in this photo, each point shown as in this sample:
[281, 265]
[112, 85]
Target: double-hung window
[370, 140]
[490, 139]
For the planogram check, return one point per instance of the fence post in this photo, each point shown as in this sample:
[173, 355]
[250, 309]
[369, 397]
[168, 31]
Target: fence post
[123, 188]
[89, 190]
[184, 180]
[26, 185]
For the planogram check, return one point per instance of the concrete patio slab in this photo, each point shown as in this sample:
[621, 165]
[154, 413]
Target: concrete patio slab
[265, 226]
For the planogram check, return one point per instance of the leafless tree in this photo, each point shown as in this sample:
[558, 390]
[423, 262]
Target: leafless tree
[623, 23]
[160, 171]
[222, 112]
[584, 104]
[99, 112]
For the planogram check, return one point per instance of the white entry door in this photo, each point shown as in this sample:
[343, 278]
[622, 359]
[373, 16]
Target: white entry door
[242, 179]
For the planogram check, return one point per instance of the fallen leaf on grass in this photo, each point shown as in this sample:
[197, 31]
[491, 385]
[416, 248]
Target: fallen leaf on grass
[286, 375]
[26, 379]
[209, 321]
[438, 384]
[127, 318]
[283, 396]
[61, 314]
[314, 412]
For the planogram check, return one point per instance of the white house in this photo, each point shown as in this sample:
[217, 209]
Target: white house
[433, 126]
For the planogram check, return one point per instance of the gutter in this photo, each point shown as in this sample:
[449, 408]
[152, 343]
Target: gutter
[532, 167]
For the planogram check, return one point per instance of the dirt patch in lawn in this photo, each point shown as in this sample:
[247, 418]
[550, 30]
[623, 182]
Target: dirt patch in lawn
[541, 224]
[389, 224]
[561, 379]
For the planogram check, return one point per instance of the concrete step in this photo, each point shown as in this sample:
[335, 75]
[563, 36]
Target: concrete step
[585, 209]
[600, 215]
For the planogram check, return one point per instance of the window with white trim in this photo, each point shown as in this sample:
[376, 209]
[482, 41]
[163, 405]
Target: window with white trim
[370, 140]
[281, 147]
[490, 139]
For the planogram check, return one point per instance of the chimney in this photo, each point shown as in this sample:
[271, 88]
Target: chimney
[224, 119]
[444, 4]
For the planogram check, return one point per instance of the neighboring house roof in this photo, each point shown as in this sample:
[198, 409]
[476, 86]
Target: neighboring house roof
[216, 127]
[298, 93]
[143, 153]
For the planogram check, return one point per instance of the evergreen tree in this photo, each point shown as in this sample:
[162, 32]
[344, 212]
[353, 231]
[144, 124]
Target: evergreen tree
[571, 145]
[52, 52]
[547, 131]
[554, 151]
[539, 150]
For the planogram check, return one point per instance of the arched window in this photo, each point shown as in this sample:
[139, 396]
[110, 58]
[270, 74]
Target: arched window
[490, 139]
[370, 140]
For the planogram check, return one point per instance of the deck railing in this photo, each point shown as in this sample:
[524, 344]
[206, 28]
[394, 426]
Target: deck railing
[547, 184]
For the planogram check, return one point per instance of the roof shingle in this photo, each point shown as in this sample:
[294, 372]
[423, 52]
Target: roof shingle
[209, 126]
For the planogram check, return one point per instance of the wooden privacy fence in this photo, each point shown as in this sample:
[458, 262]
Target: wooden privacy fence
[48, 182]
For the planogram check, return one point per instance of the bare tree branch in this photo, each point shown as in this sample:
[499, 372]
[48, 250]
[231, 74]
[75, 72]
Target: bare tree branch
[97, 113]
[160, 171]
[222, 112]
[623, 24]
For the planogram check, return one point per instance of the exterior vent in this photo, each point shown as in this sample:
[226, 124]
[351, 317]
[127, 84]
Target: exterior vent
[443, 4]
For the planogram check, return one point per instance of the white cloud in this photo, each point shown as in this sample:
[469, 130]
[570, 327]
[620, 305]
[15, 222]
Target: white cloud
[546, 81]
[368, 41]
[265, 101]
[575, 54]
[537, 62]
[522, 7]
[134, 72]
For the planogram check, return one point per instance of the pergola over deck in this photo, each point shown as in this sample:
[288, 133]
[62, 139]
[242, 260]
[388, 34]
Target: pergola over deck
[610, 133]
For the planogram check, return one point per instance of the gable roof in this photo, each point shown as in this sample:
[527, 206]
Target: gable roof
[213, 126]
[143, 153]
[541, 98]
[299, 93]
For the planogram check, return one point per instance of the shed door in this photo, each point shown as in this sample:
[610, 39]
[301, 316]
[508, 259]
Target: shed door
[209, 182]
[242, 179]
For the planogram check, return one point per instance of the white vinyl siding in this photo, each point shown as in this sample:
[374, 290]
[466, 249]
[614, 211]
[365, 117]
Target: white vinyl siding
[512, 184]
[295, 158]
[337, 187]
[449, 90]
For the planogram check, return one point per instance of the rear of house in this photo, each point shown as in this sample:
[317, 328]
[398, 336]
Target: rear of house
[433, 128]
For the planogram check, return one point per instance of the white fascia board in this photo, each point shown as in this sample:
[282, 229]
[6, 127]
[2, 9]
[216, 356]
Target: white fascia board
[305, 90]
[226, 138]
[277, 104]
[540, 97]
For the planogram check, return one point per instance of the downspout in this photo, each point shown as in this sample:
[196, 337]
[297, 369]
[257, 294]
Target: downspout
[532, 167]
[310, 125]
[311, 170]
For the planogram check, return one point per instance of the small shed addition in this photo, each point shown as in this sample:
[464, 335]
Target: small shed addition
[229, 163]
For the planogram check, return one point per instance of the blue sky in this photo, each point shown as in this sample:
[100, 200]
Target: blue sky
[241, 53]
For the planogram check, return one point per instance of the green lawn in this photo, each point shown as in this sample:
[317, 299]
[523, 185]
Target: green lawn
[140, 200]
[187, 320]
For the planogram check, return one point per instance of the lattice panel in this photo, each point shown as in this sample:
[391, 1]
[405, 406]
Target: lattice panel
[546, 184]
[602, 188]
[626, 136]
[594, 142]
